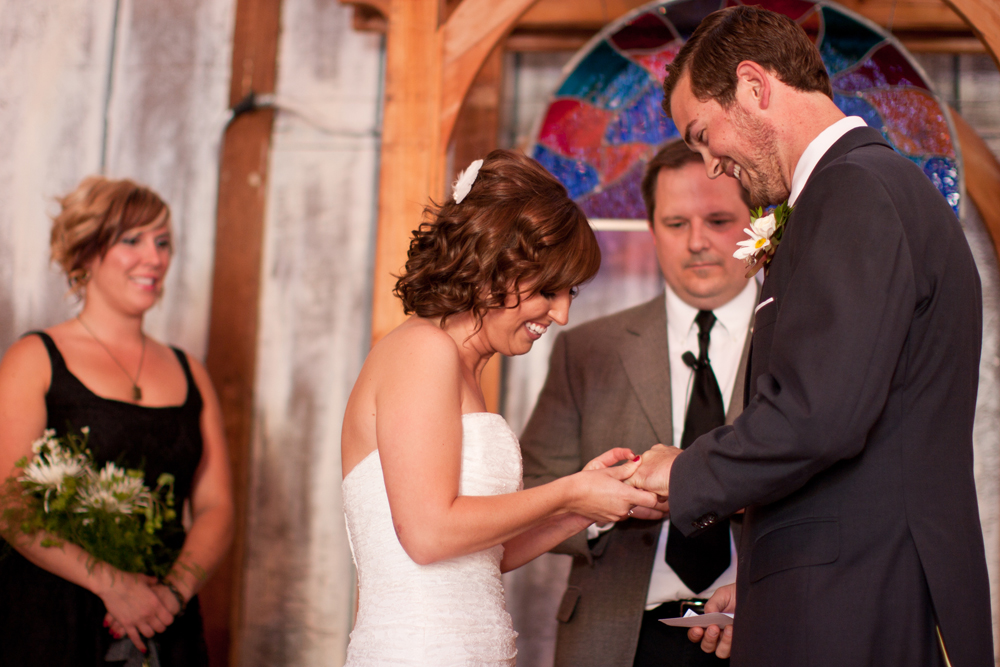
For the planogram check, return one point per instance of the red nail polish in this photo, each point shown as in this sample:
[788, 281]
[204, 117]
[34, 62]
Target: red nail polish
[105, 622]
[637, 458]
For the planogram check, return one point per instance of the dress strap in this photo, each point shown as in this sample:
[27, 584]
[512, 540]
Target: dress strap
[192, 386]
[55, 356]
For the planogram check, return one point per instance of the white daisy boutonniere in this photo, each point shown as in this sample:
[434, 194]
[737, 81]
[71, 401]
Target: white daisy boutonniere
[765, 234]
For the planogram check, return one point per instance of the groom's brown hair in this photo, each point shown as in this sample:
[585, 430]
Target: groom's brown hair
[727, 37]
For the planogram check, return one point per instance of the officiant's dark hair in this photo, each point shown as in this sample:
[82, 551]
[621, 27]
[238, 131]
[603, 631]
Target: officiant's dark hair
[727, 37]
[516, 230]
[671, 155]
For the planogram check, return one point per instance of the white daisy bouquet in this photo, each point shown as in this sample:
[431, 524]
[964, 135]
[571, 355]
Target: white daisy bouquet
[110, 513]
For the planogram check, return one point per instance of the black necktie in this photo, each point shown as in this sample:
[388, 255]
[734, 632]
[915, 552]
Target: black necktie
[699, 560]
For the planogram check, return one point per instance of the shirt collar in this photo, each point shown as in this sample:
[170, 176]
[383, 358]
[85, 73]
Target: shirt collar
[815, 151]
[733, 316]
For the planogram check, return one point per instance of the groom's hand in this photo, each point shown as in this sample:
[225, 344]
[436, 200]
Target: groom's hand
[654, 473]
[714, 639]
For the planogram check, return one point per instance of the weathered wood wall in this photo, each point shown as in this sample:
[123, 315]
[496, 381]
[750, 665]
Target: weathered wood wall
[138, 88]
[314, 334]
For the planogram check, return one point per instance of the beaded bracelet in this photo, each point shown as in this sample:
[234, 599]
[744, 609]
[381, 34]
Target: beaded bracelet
[177, 594]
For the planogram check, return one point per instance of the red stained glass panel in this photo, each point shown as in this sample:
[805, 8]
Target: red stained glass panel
[572, 127]
[913, 121]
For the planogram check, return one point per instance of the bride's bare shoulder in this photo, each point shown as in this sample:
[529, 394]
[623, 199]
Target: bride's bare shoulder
[417, 338]
[409, 356]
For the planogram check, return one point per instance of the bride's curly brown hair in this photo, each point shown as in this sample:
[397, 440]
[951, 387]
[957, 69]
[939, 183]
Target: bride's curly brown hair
[517, 233]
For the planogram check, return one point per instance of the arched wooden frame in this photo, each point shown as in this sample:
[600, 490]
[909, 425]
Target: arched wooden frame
[431, 64]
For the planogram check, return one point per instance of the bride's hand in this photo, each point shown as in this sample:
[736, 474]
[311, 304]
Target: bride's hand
[613, 456]
[609, 458]
[600, 495]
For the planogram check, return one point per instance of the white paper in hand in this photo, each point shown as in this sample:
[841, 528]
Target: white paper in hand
[695, 620]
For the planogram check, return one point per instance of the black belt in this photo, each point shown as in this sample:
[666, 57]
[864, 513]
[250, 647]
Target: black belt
[675, 608]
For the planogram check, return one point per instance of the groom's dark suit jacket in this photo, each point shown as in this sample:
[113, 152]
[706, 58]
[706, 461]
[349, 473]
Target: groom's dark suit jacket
[853, 455]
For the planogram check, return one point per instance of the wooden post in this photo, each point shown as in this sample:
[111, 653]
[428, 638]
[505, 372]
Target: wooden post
[410, 131]
[232, 334]
[983, 16]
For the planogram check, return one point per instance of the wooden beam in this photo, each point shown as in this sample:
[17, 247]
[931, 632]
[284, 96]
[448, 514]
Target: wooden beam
[983, 16]
[410, 141]
[982, 176]
[232, 335]
[924, 42]
[471, 33]
[923, 26]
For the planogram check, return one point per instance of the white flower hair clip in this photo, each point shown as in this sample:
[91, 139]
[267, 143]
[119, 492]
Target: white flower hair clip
[465, 181]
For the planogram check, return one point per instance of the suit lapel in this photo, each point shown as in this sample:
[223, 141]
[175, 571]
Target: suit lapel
[644, 356]
[739, 386]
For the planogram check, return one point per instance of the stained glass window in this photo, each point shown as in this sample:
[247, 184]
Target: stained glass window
[605, 120]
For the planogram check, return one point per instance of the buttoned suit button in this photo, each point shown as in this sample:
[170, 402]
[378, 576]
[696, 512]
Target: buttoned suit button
[705, 520]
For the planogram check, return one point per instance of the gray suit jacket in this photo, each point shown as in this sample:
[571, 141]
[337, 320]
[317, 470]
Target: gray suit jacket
[608, 386]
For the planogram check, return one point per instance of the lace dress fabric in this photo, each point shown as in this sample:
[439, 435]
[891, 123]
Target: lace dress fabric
[447, 613]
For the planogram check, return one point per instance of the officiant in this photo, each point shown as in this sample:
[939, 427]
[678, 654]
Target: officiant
[665, 371]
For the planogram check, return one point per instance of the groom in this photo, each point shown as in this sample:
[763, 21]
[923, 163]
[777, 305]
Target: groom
[861, 542]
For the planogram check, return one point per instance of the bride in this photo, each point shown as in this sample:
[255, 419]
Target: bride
[432, 482]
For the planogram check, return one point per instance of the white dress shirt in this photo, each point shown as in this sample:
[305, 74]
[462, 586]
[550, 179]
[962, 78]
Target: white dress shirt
[816, 149]
[728, 337]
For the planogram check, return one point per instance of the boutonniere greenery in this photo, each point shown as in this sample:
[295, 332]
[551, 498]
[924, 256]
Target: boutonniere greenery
[765, 234]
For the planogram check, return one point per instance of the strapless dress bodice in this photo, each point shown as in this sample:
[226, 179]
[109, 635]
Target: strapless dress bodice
[447, 613]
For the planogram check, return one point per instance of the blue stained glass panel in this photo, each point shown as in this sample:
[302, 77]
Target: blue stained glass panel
[855, 106]
[943, 173]
[643, 121]
[578, 176]
[845, 41]
[605, 78]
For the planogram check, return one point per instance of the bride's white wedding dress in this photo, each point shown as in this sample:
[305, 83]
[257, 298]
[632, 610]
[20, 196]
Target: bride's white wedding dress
[447, 613]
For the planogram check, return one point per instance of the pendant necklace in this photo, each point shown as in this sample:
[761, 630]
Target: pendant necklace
[136, 390]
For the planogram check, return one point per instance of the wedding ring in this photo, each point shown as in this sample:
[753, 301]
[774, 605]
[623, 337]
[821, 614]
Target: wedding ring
[630, 511]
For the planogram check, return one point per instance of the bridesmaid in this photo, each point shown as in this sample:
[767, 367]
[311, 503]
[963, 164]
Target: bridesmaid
[147, 405]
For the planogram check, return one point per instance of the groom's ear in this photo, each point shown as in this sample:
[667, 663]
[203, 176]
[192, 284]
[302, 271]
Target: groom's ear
[753, 85]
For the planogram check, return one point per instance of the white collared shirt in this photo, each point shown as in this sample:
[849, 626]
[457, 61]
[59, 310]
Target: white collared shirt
[815, 151]
[728, 337]
[724, 351]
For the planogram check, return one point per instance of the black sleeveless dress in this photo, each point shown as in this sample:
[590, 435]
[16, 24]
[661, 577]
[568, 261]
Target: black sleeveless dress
[46, 620]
